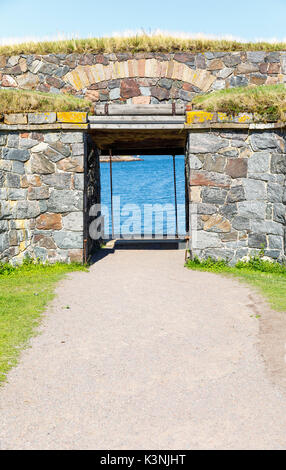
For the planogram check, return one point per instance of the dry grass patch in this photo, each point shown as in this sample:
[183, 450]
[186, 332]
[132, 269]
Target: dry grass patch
[137, 43]
[268, 101]
[22, 101]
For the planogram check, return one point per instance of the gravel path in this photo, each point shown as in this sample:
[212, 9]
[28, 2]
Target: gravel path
[149, 356]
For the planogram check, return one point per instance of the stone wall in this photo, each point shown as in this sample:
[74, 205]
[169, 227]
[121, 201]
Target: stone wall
[237, 190]
[141, 78]
[41, 195]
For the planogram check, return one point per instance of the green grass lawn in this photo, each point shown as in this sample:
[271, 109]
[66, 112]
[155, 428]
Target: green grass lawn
[24, 293]
[266, 278]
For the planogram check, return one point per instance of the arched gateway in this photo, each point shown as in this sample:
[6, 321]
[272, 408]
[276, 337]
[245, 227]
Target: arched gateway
[49, 162]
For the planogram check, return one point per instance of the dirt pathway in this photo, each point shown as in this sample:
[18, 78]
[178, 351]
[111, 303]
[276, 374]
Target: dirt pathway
[149, 356]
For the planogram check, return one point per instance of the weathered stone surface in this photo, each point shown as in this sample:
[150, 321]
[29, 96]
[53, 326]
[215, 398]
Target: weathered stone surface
[274, 192]
[58, 180]
[214, 195]
[72, 137]
[252, 209]
[129, 88]
[236, 194]
[264, 141]
[216, 223]
[44, 241]
[74, 164]
[14, 119]
[206, 143]
[254, 190]
[49, 221]
[37, 193]
[15, 194]
[202, 208]
[206, 240]
[241, 223]
[279, 213]
[13, 180]
[195, 162]
[41, 165]
[65, 201]
[73, 221]
[42, 118]
[236, 167]
[259, 162]
[267, 227]
[257, 240]
[278, 163]
[16, 154]
[28, 81]
[160, 93]
[75, 256]
[27, 209]
[205, 178]
[215, 163]
[275, 242]
[68, 240]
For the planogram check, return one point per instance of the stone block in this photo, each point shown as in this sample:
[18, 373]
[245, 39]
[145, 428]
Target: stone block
[205, 143]
[65, 201]
[205, 178]
[15, 194]
[79, 181]
[252, 209]
[213, 195]
[68, 240]
[16, 154]
[259, 162]
[267, 227]
[58, 180]
[204, 209]
[278, 163]
[72, 137]
[241, 223]
[264, 141]
[13, 140]
[37, 193]
[236, 167]
[236, 194]
[73, 117]
[279, 213]
[274, 192]
[49, 221]
[203, 240]
[27, 209]
[13, 180]
[42, 118]
[114, 94]
[73, 222]
[41, 165]
[257, 240]
[254, 189]
[195, 162]
[71, 164]
[14, 119]
[18, 167]
[75, 256]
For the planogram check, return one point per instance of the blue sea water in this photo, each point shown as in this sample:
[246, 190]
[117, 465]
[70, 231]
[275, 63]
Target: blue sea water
[141, 183]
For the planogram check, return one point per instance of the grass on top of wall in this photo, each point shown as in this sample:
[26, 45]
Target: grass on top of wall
[137, 43]
[21, 101]
[24, 292]
[268, 101]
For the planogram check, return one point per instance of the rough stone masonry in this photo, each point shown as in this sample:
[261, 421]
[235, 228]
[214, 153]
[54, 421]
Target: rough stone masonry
[237, 193]
[41, 192]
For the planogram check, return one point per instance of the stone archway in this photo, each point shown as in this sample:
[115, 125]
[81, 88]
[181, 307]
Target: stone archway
[142, 81]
